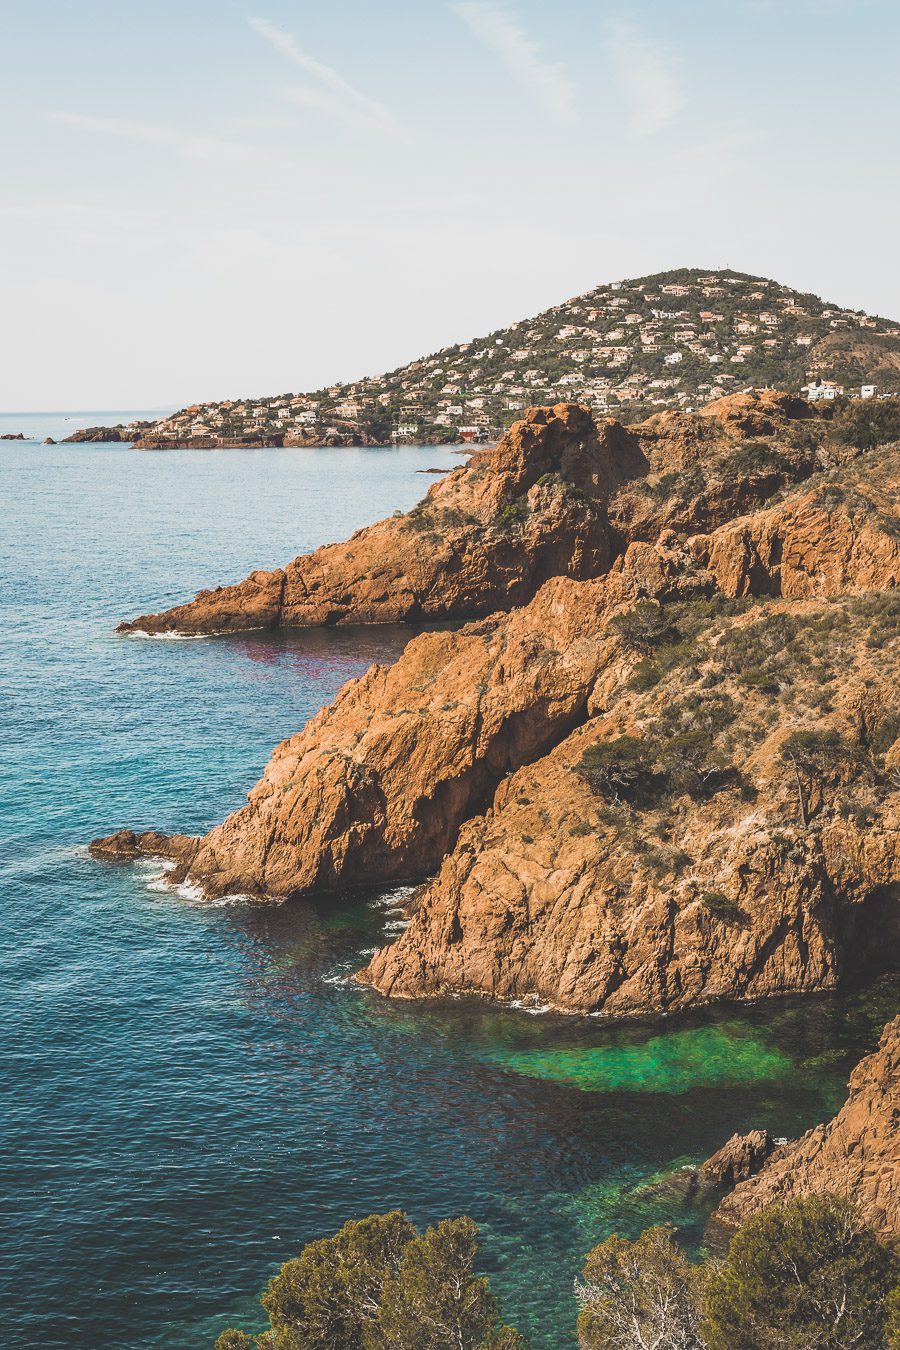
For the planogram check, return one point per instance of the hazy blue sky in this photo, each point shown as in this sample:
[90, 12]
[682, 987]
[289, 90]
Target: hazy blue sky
[205, 198]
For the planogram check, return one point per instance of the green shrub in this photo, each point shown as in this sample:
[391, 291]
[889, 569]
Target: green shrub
[892, 1320]
[721, 907]
[758, 678]
[513, 513]
[642, 627]
[753, 459]
[641, 1293]
[379, 1285]
[620, 769]
[646, 675]
[865, 424]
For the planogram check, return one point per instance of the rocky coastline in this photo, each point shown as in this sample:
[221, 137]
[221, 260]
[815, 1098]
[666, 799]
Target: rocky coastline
[102, 435]
[659, 766]
[856, 1154]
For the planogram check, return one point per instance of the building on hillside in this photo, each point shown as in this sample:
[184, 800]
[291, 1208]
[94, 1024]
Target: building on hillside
[869, 391]
[817, 390]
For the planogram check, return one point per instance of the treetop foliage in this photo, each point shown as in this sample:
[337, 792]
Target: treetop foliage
[378, 1284]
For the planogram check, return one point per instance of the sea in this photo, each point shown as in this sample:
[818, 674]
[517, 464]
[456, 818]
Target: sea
[191, 1091]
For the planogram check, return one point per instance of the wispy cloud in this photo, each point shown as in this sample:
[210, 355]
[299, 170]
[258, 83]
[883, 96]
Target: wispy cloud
[329, 91]
[500, 29]
[647, 77]
[192, 146]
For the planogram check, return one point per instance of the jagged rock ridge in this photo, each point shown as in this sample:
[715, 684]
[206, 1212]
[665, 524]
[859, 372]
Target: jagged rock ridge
[483, 539]
[556, 496]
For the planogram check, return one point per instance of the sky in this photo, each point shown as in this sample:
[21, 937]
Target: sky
[207, 199]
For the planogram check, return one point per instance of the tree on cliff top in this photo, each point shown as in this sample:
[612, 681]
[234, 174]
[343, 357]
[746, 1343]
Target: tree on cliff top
[802, 1276]
[377, 1284]
[812, 754]
[642, 1295]
[621, 768]
[806, 1275]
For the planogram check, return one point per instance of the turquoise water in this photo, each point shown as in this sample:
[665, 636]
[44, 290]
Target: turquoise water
[191, 1093]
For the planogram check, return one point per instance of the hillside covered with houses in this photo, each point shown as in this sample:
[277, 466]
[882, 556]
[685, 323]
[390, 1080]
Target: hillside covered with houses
[626, 349]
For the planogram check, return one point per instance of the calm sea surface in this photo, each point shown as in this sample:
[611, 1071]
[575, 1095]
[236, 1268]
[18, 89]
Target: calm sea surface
[192, 1092]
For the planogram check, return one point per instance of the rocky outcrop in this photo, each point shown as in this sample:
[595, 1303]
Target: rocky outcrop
[557, 496]
[375, 787]
[129, 845]
[695, 880]
[839, 536]
[737, 1160]
[708, 467]
[117, 433]
[857, 1154]
[484, 538]
[143, 441]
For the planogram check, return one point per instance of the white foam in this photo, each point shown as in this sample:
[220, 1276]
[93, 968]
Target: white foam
[394, 898]
[168, 637]
[530, 1005]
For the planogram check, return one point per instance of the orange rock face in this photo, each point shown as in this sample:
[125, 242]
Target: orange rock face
[692, 891]
[832, 539]
[375, 787]
[726, 870]
[484, 538]
[535, 506]
[856, 1154]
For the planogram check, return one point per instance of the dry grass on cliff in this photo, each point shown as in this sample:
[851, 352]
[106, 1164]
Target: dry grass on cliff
[701, 722]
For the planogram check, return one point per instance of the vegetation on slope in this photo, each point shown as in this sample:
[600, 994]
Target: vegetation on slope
[672, 340]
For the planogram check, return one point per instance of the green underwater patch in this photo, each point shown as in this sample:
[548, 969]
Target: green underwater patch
[678, 1061]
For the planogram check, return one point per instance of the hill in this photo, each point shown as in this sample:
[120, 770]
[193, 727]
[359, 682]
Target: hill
[674, 340]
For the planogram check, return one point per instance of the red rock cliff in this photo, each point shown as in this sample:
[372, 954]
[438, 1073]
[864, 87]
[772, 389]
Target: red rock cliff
[484, 538]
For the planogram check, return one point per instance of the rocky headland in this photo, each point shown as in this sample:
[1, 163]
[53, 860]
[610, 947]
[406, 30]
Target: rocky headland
[557, 496]
[484, 538]
[100, 435]
[662, 771]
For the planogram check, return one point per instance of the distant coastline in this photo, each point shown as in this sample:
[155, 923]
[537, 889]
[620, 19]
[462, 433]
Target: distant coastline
[37, 424]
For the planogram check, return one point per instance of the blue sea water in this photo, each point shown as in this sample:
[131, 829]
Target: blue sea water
[191, 1092]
